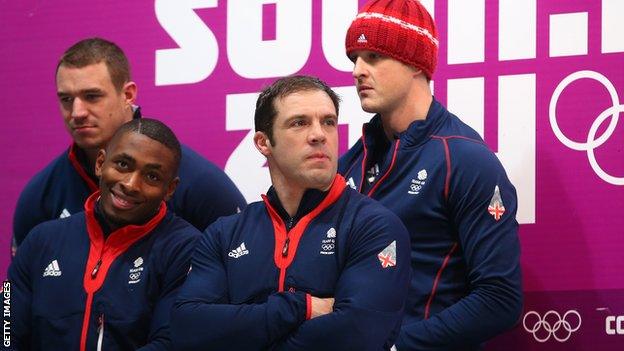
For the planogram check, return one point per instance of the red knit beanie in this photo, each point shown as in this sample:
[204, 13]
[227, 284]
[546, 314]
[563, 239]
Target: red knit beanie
[401, 29]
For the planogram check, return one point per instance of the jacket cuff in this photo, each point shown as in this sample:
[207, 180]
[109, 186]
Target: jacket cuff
[308, 298]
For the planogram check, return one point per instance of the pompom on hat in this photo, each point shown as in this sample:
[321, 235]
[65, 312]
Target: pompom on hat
[401, 29]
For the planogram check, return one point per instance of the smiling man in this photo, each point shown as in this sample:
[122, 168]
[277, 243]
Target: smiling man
[106, 278]
[96, 96]
[315, 266]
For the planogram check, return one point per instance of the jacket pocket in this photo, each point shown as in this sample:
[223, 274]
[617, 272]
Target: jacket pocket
[52, 333]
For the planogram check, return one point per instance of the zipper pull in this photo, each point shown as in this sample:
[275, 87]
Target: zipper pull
[100, 332]
[96, 268]
[285, 248]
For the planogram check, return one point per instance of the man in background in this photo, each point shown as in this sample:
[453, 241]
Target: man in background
[439, 177]
[96, 96]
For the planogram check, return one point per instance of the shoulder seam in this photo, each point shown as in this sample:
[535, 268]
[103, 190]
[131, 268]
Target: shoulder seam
[459, 137]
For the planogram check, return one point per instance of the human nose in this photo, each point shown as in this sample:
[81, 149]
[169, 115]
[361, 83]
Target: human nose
[79, 109]
[359, 68]
[131, 182]
[317, 133]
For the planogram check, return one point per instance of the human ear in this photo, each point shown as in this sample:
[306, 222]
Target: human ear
[262, 143]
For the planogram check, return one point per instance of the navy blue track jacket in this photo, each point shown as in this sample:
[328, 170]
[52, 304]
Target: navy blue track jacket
[455, 199]
[70, 287]
[252, 280]
[62, 187]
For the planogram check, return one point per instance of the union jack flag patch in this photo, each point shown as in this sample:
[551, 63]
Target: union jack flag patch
[496, 207]
[387, 257]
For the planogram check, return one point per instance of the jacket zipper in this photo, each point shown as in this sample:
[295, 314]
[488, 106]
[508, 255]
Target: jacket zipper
[373, 186]
[289, 226]
[285, 248]
[90, 296]
[100, 332]
[98, 264]
[96, 268]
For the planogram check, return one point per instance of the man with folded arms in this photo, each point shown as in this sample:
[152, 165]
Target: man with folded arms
[315, 265]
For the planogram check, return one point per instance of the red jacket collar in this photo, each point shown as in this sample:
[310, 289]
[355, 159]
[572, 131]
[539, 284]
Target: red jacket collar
[73, 159]
[123, 237]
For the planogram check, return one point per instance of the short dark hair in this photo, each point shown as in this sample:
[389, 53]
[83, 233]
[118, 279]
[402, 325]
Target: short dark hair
[265, 105]
[155, 130]
[95, 50]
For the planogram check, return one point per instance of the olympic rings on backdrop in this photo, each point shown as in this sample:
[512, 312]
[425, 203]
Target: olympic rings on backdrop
[561, 328]
[592, 142]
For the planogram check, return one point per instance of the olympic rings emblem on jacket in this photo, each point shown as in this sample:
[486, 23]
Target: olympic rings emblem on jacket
[560, 328]
[327, 247]
[592, 142]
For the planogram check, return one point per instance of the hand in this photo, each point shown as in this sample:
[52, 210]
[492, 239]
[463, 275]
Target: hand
[321, 306]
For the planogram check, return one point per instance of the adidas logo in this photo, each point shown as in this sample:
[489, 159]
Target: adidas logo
[362, 39]
[239, 251]
[52, 269]
[65, 213]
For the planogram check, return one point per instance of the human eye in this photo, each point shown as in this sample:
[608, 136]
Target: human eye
[331, 121]
[92, 97]
[121, 164]
[153, 177]
[65, 99]
[298, 122]
[374, 56]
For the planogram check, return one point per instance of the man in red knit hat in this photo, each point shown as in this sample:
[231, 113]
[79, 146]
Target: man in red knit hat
[439, 177]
